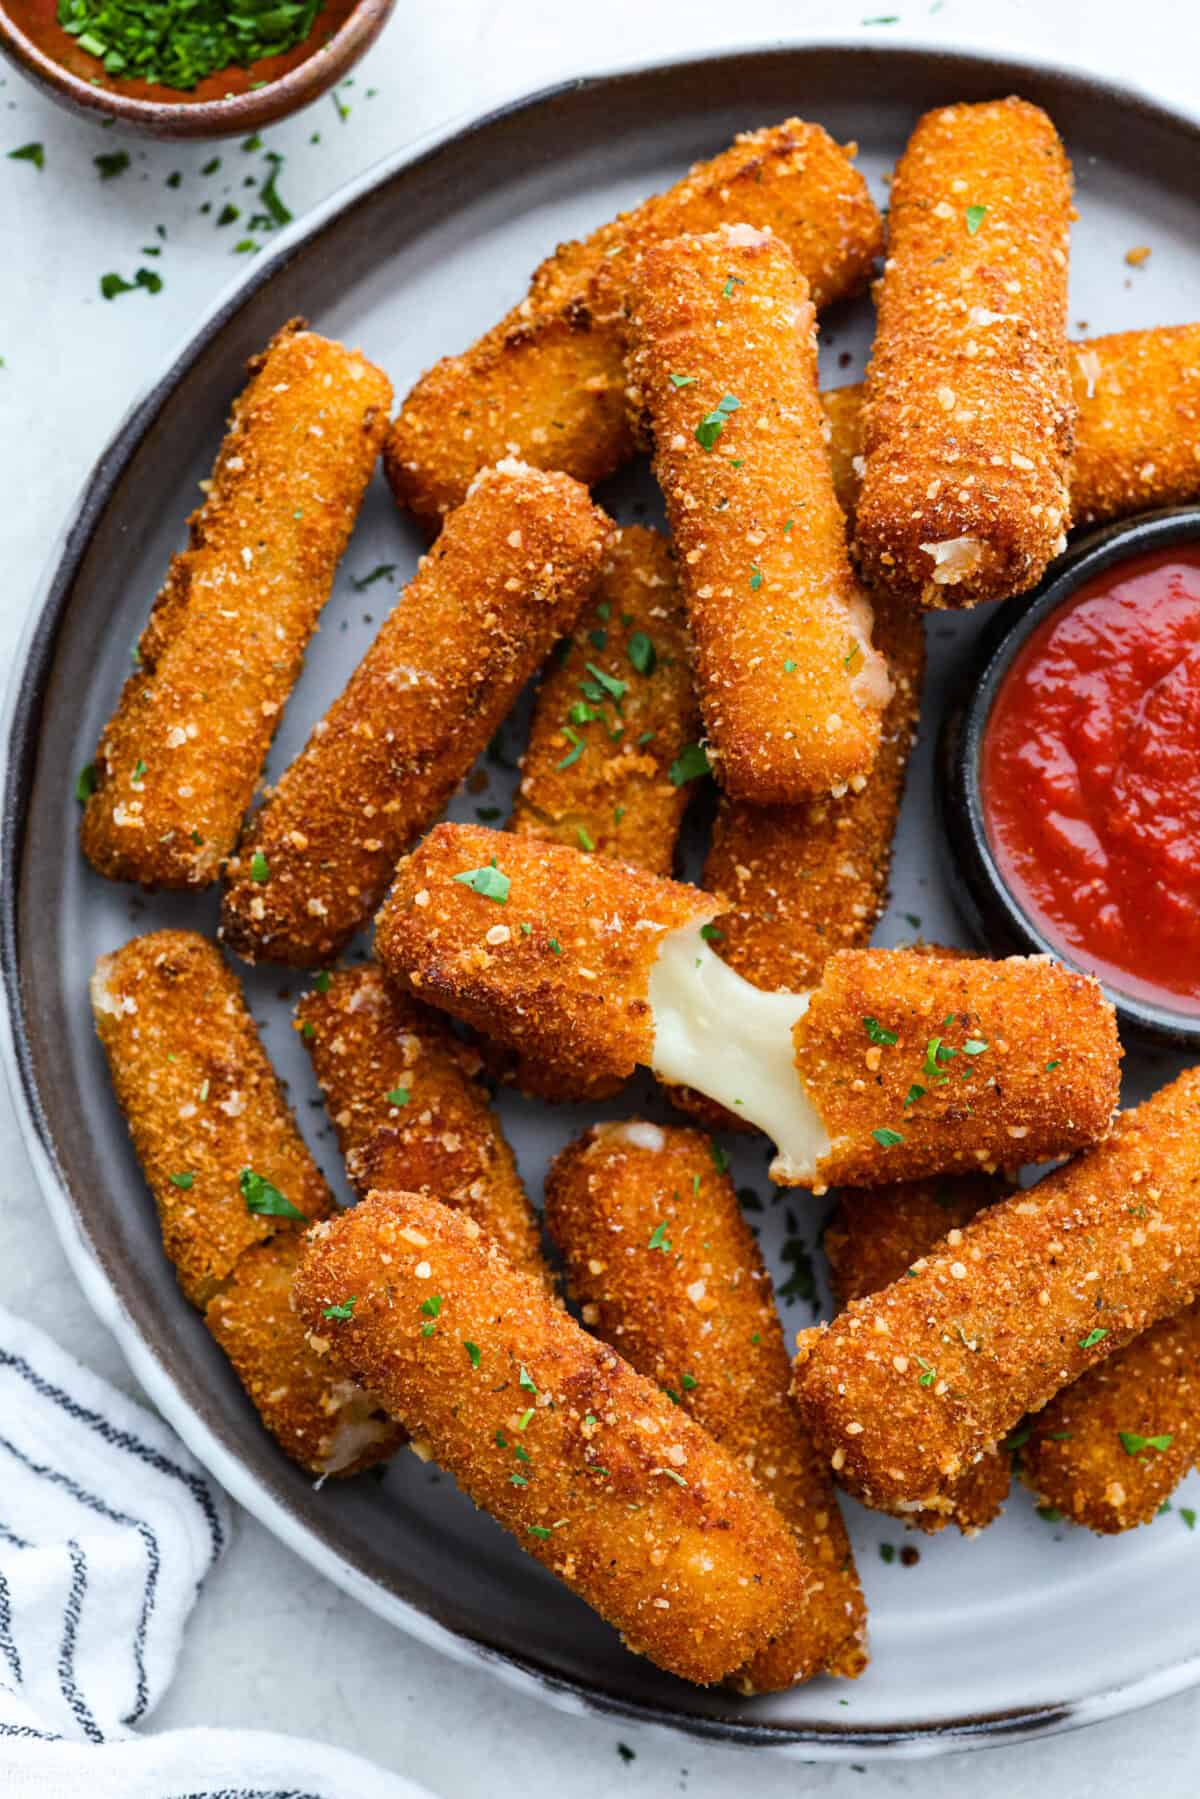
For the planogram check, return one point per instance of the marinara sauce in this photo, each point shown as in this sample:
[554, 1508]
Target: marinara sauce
[1091, 777]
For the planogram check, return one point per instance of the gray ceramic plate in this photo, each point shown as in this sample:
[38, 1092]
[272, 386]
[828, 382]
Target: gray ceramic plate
[1031, 1626]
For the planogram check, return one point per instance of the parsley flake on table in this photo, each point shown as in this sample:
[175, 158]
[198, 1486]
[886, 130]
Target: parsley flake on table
[34, 153]
[383, 571]
[714, 422]
[112, 164]
[340, 1312]
[490, 882]
[264, 1199]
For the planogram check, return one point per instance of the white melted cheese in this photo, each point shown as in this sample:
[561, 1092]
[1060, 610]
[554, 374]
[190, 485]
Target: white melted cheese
[715, 1032]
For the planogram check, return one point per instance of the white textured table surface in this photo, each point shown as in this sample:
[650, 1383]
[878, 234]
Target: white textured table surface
[272, 1644]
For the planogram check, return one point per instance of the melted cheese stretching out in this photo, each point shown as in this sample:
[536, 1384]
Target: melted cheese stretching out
[896, 1066]
[714, 1031]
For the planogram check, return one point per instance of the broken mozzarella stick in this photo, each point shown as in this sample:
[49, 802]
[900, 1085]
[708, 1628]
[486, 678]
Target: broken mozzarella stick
[968, 417]
[873, 1236]
[896, 1065]
[179, 760]
[615, 1489]
[504, 581]
[547, 383]
[910, 1386]
[723, 378]
[1137, 425]
[409, 1113]
[233, 1182]
[667, 1271]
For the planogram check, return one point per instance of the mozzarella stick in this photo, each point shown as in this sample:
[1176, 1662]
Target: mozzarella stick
[723, 375]
[615, 1489]
[910, 1386]
[547, 382]
[1137, 425]
[968, 417]
[871, 1238]
[666, 1270]
[1110, 1449]
[898, 1064]
[179, 759]
[232, 1180]
[503, 583]
[409, 1113]
[614, 716]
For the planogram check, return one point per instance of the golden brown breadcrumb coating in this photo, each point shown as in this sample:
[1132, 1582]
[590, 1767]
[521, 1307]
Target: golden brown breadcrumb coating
[503, 582]
[556, 965]
[1111, 1448]
[178, 761]
[723, 376]
[616, 1491]
[667, 1271]
[871, 1238]
[922, 1064]
[409, 1113]
[967, 427]
[1137, 426]
[908, 1387]
[214, 1135]
[547, 382]
[613, 715]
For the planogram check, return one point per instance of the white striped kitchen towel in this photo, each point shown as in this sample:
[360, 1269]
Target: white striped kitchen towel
[107, 1528]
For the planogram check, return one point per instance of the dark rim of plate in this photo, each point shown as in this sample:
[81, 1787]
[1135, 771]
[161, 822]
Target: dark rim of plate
[720, 73]
[984, 896]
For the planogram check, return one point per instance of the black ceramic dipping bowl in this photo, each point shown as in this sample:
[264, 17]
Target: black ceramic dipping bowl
[992, 910]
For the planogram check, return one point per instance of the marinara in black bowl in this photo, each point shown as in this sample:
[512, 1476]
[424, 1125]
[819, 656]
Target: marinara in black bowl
[1071, 772]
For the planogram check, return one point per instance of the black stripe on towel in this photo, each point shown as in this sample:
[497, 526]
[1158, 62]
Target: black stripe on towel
[66, 1655]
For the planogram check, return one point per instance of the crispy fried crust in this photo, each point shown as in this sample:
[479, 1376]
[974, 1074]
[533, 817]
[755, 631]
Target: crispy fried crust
[695, 1314]
[547, 383]
[978, 1107]
[790, 687]
[910, 1386]
[1137, 428]
[504, 581]
[872, 1237]
[408, 1110]
[968, 416]
[202, 1101]
[622, 1495]
[178, 761]
[568, 990]
[603, 782]
[1089, 1453]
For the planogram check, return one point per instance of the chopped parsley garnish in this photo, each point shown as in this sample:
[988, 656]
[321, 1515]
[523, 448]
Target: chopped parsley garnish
[616, 690]
[688, 1381]
[383, 571]
[681, 380]
[268, 193]
[801, 1282]
[260, 868]
[584, 838]
[642, 653]
[690, 763]
[928, 1372]
[1051, 1066]
[756, 579]
[111, 165]
[848, 659]
[1188, 1516]
[432, 1306]
[720, 1159]
[1049, 1514]
[228, 213]
[398, 1096]
[886, 1139]
[975, 218]
[517, 1480]
[626, 1753]
[937, 1052]
[711, 934]
[523, 1420]
[714, 422]
[177, 43]
[473, 1352]
[85, 783]
[1017, 1439]
[789, 667]
[526, 1380]
[733, 281]
[341, 1312]
[1093, 1337]
[182, 1181]
[554, 946]
[34, 153]
[490, 882]
[887, 1552]
[321, 981]
[572, 755]
[659, 1238]
[537, 1530]
[877, 1032]
[264, 1199]
[974, 1046]
[915, 1092]
[1133, 1444]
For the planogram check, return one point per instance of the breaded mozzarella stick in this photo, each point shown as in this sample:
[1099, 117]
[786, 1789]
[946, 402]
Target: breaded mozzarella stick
[503, 583]
[1137, 426]
[547, 383]
[615, 1490]
[723, 378]
[667, 1271]
[910, 1386]
[409, 1114]
[232, 1180]
[179, 759]
[969, 415]
[897, 1065]
[873, 1236]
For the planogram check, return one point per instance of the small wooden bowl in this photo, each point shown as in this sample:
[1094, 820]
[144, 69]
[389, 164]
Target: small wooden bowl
[223, 105]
